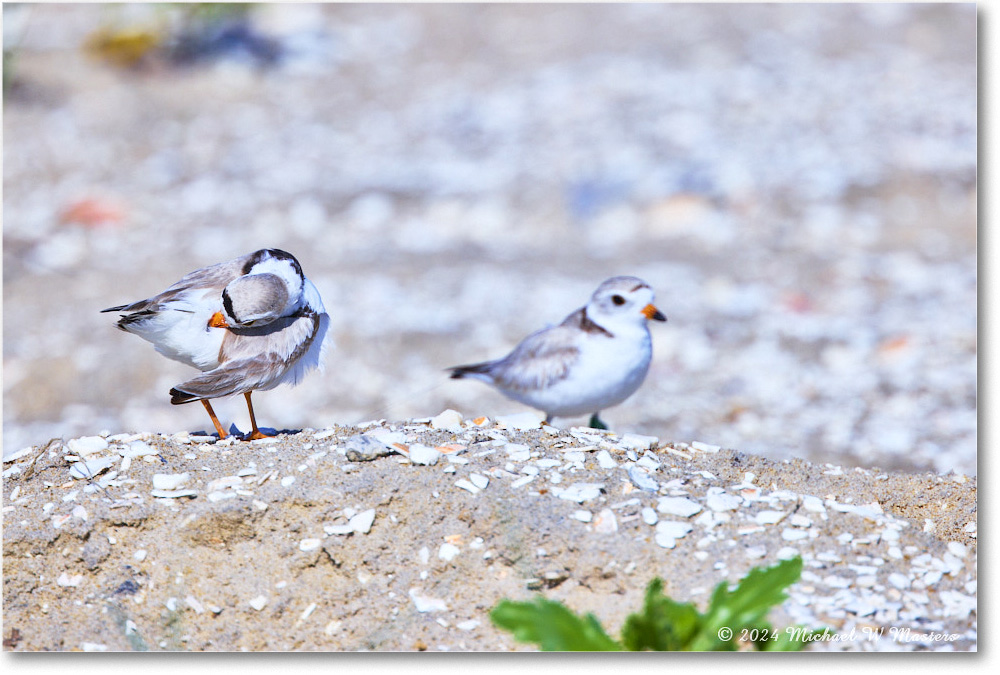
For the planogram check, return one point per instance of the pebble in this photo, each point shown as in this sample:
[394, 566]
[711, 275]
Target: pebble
[579, 492]
[91, 467]
[678, 506]
[170, 481]
[448, 420]
[310, 544]
[87, 445]
[362, 522]
[193, 603]
[638, 442]
[606, 522]
[138, 449]
[447, 552]
[582, 515]
[957, 549]
[642, 479]
[66, 580]
[649, 516]
[471, 624]
[173, 494]
[769, 517]
[224, 483]
[258, 603]
[287, 480]
[365, 448]
[813, 504]
[424, 455]
[425, 603]
[669, 531]
[479, 480]
[718, 499]
[705, 447]
[338, 529]
[520, 421]
[605, 460]
[518, 452]
[648, 462]
[466, 485]
[788, 534]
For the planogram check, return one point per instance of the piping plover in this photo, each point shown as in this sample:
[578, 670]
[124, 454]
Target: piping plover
[595, 359]
[250, 324]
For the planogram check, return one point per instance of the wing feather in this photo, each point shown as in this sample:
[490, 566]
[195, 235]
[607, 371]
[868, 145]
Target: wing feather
[542, 359]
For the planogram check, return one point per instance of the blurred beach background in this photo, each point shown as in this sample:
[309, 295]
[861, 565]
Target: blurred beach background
[797, 183]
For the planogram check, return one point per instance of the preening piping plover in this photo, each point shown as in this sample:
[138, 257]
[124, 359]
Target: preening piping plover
[249, 324]
[595, 359]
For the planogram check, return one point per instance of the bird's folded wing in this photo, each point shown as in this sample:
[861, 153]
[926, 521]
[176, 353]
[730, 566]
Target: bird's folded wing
[541, 360]
[233, 377]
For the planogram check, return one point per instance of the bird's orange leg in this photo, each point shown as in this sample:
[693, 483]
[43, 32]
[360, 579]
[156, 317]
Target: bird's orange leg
[215, 420]
[255, 434]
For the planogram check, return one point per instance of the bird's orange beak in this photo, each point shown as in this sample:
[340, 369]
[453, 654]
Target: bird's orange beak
[651, 312]
[218, 321]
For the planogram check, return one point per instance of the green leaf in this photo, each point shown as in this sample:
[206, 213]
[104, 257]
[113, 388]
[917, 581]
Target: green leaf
[552, 626]
[747, 604]
[663, 625]
[794, 641]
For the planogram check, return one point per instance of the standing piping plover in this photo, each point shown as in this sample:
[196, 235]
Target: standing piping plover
[595, 359]
[250, 324]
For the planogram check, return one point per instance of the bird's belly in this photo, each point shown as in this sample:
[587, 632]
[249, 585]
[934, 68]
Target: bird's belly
[600, 379]
[188, 339]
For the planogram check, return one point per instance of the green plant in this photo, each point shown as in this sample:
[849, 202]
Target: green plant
[734, 616]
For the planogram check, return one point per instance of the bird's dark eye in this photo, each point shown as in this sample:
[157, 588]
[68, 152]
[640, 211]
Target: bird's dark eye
[617, 299]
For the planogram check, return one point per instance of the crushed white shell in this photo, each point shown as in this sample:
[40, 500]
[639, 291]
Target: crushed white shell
[173, 494]
[92, 467]
[705, 447]
[425, 603]
[424, 455]
[520, 421]
[170, 481]
[769, 517]
[579, 492]
[449, 420]
[87, 445]
[362, 522]
[448, 551]
[605, 460]
[68, 581]
[638, 442]
[678, 506]
[718, 499]
[642, 479]
[605, 522]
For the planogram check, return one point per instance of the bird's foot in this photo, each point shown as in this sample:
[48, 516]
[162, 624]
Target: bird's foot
[596, 423]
